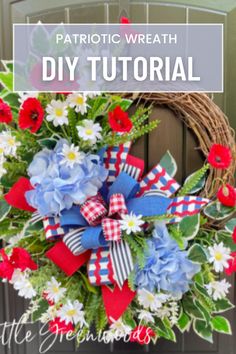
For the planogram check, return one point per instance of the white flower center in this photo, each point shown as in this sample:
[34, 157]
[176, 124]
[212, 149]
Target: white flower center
[11, 141]
[58, 112]
[71, 312]
[55, 289]
[80, 101]
[88, 131]
[131, 223]
[71, 156]
[218, 256]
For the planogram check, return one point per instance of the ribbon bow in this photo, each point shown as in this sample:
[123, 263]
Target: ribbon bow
[95, 212]
[92, 224]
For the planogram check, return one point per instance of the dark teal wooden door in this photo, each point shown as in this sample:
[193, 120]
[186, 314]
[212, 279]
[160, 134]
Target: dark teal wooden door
[171, 134]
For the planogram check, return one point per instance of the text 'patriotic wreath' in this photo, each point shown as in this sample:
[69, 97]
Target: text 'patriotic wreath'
[91, 239]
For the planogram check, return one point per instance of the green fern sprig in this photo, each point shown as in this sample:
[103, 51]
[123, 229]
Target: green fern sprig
[137, 248]
[72, 118]
[131, 280]
[193, 181]
[101, 319]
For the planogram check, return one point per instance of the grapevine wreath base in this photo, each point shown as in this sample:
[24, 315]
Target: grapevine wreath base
[207, 122]
[91, 240]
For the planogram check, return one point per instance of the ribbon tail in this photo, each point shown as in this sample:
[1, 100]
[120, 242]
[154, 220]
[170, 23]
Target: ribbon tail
[158, 179]
[116, 301]
[64, 258]
[181, 207]
[16, 196]
[122, 262]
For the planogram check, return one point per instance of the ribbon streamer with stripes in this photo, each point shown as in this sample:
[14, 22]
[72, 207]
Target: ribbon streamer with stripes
[122, 262]
[158, 179]
[185, 206]
[73, 241]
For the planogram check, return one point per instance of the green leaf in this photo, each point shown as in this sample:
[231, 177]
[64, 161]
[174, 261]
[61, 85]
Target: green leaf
[176, 234]
[203, 330]
[223, 305]
[164, 330]
[32, 228]
[169, 164]
[90, 288]
[184, 322]
[199, 185]
[124, 104]
[189, 226]
[217, 211]
[191, 309]
[203, 310]
[221, 325]
[6, 79]
[192, 181]
[4, 209]
[49, 143]
[43, 306]
[40, 41]
[226, 237]
[230, 225]
[197, 254]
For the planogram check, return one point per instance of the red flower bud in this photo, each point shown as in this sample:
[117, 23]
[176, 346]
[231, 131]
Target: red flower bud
[226, 195]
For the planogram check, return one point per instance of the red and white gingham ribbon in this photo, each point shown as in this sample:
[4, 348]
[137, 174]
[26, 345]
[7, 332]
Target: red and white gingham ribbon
[94, 210]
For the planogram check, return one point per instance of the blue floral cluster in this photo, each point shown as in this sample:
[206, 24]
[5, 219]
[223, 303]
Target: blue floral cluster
[167, 267]
[58, 186]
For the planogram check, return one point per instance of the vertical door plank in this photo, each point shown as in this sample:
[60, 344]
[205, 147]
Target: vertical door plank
[167, 136]
[87, 14]
[166, 13]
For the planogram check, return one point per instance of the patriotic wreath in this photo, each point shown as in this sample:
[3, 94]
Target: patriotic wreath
[91, 239]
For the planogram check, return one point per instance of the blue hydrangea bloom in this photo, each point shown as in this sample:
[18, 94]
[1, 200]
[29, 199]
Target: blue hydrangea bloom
[167, 267]
[58, 186]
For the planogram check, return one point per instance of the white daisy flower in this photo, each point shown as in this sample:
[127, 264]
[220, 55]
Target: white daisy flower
[71, 155]
[119, 328]
[218, 289]
[146, 316]
[89, 131]
[57, 113]
[219, 256]
[72, 312]
[54, 291]
[131, 223]
[151, 301]
[25, 95]
[78, 101]
[8, 144]
[21, 283]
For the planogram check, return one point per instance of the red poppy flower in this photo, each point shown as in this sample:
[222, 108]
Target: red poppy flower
[22, 260]
[220, 156]
[227, 195]
[232, 264]
[234, 235]
[119, 120]
[142, 335]
[5, 112]
[124, 20]
[60, 327]
[6, 268]
[31, 115]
